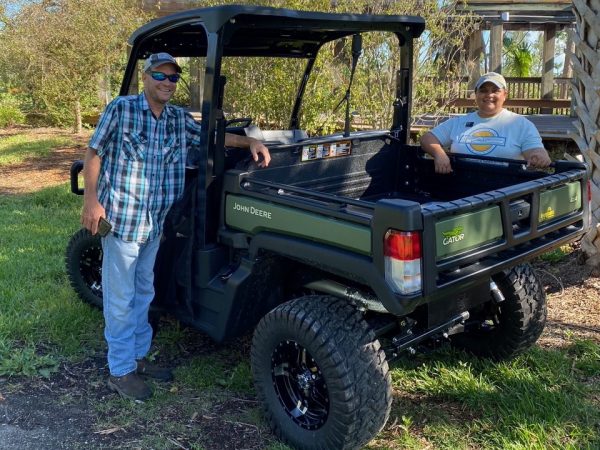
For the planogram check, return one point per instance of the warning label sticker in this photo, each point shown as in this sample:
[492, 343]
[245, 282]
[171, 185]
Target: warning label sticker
[327, 150]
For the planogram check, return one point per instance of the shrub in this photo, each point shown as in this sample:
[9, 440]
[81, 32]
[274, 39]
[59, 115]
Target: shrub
[10, 112]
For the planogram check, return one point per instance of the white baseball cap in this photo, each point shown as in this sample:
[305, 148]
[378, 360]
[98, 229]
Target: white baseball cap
[491, 77]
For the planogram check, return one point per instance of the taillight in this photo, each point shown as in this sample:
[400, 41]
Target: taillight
[402, 255]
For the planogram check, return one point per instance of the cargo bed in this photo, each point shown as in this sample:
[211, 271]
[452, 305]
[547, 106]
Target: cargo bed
[485, 216]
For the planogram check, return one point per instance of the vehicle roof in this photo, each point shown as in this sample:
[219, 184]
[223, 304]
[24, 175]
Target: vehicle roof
[262, 31]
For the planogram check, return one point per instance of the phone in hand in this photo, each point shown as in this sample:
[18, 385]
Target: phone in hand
[104, 227]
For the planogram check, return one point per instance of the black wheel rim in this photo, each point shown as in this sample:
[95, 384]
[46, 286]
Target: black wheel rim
[300, 385]
[90, 267]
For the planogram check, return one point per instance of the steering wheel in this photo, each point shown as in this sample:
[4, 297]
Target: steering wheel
[242, 122]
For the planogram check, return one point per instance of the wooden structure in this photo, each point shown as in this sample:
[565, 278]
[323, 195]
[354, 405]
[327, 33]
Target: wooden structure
[546, 99]
[525, 96]
[586, 65]
[497, 16]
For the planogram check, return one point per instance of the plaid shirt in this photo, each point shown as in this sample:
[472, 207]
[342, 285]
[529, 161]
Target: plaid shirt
[143, 160]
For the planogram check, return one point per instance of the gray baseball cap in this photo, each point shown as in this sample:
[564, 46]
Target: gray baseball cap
[491, 77]
[158, 59]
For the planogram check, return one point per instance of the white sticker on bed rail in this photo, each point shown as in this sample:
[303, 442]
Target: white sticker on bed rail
[326, 150]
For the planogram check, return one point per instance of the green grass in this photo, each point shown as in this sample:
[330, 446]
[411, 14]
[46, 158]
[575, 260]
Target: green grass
[15, 149]
[545, 399]
[558, 254]
[41, 317]
[541, 400]
[209, 372]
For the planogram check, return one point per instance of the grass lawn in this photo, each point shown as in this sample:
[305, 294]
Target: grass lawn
[14, 149]
[546, 399]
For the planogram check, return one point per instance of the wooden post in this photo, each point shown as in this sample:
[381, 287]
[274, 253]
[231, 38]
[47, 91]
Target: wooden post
[475, 48]
[568, 66]
[548, 68]
[496, 36]
[569, 52]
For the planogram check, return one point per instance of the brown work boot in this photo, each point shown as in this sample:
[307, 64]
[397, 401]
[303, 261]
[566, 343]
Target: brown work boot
[147, 369]
[130, 386]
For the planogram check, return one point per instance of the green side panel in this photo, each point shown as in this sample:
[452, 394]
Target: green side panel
[560, 201]
[252, 216]
[467, 231]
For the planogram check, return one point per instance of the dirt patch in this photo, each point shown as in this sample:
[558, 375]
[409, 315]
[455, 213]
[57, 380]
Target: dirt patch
[51, 414]
[573, 295]
[69, 410]
[75, 409]
[34, 174]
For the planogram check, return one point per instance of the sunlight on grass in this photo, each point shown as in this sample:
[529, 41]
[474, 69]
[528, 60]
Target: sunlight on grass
[15, 149]
[558, 254]
[39, 308]
[540, 400]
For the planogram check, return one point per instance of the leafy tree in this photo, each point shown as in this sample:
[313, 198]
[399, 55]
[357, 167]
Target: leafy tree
[57, 51]
[264, 89]
[76, 43]
[519, 56]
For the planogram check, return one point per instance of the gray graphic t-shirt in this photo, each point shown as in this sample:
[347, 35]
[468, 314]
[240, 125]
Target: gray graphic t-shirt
[506, 135]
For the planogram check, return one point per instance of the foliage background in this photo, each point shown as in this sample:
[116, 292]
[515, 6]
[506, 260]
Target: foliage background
[74, 59]
[56, 55]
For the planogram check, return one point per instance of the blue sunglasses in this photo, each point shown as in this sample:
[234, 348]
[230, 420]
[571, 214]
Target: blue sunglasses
[159, 76]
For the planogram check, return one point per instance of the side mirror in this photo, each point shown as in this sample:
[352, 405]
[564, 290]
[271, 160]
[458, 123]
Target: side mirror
[76, 168]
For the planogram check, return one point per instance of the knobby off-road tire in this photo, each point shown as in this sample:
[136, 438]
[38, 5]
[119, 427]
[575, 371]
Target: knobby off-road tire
[320, 374]
[84, 266]
[506, 329]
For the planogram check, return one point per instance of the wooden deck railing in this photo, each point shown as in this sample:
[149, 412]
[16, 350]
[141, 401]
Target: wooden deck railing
[524, 96]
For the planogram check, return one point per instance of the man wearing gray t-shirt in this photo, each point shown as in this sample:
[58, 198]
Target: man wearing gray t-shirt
[490, 131]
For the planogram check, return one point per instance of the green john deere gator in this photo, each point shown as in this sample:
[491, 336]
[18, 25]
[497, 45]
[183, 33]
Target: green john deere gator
[348, 249]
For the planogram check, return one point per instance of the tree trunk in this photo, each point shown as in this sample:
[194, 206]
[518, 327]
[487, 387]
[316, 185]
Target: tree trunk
[587, 106]
[78, 121]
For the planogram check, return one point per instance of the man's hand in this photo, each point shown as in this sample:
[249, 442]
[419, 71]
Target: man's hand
[258, 149]
[90, 215]
[441, 162]
[431, 146]
[537, 158]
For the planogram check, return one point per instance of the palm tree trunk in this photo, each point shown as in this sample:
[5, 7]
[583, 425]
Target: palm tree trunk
[587, 107]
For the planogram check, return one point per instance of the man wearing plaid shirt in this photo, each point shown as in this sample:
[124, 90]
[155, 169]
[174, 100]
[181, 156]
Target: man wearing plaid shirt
[134, 171]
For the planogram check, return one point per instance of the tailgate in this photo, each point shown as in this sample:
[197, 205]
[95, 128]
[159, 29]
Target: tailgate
[485, 233]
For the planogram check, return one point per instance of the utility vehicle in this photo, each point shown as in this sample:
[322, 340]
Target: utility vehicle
[348, 249]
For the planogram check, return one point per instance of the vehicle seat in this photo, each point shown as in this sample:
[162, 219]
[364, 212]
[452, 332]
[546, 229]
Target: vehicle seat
[274, 137]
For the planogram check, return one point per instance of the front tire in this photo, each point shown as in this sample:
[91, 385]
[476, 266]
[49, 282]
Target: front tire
[320, 374]
[503, 330]
[84, 266]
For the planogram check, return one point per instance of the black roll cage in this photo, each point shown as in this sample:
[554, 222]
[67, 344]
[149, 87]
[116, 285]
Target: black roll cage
[254, 31]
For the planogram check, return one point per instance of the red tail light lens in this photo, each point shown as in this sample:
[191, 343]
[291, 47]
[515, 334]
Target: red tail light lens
[403, 245]
[402, 256]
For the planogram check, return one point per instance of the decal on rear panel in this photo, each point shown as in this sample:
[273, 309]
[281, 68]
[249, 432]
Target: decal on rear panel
[326, 150]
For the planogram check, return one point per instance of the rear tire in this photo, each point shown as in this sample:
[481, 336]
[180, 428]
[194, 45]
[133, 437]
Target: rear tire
[320, 374]
[84, 266]
[504, 330]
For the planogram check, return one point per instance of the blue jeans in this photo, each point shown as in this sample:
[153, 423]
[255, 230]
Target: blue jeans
[128, 290]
